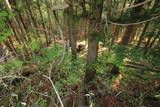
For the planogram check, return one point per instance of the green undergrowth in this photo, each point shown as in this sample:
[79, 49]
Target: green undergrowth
[71, 73]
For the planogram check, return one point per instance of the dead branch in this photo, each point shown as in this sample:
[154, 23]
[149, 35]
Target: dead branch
[136, 23]
[12, 76]
[138, 65]
[133, 6]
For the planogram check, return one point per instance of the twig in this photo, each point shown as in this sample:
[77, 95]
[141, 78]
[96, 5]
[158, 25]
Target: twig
[118, 93]
[136, 23]
[55, 90]
[12, 76]
[133, 6]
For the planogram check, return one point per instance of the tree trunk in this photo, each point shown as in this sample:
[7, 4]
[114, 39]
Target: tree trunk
[43, 24]
[156, 4]
[92, 40]
[14, 31]
[31, 26]
[73, 40]
[142, 34]
[115, 34]
[94, 30]
[9, 44]
[148, 41]
[70, 12]
[16, 25]
[30, 13]
[150, 45]
[128, 33]
[48, 4]
[91, 58]
[24, 27]
[20, 20]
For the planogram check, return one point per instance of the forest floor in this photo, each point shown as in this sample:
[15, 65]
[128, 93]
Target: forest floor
[37, 90]
[30, 88]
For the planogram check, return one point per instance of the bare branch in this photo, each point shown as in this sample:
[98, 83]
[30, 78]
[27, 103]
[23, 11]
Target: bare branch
[12, 76]
[55, 90]
[133, 6]
[136, 23]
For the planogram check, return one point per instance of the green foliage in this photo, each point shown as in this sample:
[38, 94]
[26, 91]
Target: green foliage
[72, 70]
[20, 5]
[98, 36]
[72, 79]
[41, 102]
[47, 54]
[5, 32]
[121, 52]
[153, 57]
[70, 73]
[135, 54]
[6, 14]
[3, 14]
[12, 66]
[2, 68]
[116, 54]
[35, 45]
[21, 49]
[16, 63]
[11, 14]
[59, 85]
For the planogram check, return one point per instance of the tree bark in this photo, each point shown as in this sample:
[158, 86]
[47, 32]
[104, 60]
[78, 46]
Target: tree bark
[70, 13]
[30, 13]
[142, 34]
[92, 40]
[43, 24]
[128, 33]
[48, 6]
[156, 4]
[73, 40]
[94, 29]
[14, 31]
[148, 41]
[150, 45]
[91, 58]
